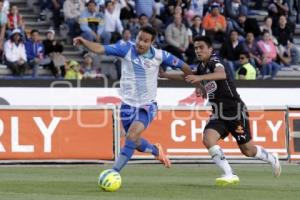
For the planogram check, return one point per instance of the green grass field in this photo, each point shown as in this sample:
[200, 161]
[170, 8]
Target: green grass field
[145, 182]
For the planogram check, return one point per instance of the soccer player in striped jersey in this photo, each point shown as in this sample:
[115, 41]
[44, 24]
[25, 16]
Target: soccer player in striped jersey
[140, 64]
[229, 112]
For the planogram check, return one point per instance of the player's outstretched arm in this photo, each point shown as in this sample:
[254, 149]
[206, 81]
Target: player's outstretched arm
[176, 76]
[186, 69]
[92, 46]
[171, 76]
[218, 74]
[200, 89]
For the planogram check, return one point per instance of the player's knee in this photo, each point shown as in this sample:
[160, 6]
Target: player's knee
[248, 152]
[207, 142]
[210, 138]
[133, 138]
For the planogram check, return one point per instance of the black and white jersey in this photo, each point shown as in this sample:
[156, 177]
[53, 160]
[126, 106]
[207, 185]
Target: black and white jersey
[222, 94]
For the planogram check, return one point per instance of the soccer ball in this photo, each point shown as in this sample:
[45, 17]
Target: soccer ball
[109, 180]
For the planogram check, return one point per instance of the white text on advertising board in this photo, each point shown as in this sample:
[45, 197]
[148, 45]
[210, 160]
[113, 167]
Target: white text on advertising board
[198, 128]
[46, 132]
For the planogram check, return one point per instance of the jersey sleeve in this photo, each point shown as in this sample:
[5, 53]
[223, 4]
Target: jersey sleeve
[119, 49]
[214, 63]
[171, 60]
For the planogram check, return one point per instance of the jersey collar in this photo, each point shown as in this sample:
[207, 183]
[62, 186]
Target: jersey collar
[149, 54]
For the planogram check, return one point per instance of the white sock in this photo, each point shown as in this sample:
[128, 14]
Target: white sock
[218, 156]
[262, 154]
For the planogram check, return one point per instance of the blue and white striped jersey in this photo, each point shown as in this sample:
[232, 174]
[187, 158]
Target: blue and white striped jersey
[138, 84]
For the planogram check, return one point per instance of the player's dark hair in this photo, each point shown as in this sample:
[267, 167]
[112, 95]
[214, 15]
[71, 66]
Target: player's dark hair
[150, 30]
[204, 39]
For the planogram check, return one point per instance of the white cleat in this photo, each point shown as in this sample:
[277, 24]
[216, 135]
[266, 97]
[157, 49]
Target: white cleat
[226, 180]
[276, 166]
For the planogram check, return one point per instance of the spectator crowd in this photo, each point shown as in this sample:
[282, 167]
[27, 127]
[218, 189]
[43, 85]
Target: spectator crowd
[250, 49]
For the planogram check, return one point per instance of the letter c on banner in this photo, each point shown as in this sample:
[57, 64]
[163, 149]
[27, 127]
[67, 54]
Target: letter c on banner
[173, 130]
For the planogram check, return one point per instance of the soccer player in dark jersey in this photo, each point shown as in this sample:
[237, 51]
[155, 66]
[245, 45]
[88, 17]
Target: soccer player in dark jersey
[229, 112]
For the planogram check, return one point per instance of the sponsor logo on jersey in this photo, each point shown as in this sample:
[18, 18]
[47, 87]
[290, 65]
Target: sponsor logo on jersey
[136, 61]
[211, 86]
[148, 63]
[175, 61]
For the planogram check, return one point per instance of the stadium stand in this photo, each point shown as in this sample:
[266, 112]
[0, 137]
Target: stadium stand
[31, 12]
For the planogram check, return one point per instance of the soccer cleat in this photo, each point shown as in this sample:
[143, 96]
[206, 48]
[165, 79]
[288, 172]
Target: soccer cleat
[161, 156]
[276, 166]
[226, 180]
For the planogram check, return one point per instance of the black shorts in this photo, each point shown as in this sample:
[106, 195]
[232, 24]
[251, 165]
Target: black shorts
[238, 127]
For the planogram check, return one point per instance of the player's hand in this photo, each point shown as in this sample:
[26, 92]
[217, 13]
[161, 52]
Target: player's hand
[78, 41]
[192, 79]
